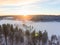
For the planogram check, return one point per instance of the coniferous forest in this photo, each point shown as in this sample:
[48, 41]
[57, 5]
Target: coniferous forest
[12, 35]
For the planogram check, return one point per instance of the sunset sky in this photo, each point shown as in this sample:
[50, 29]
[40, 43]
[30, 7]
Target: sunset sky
[25, 7]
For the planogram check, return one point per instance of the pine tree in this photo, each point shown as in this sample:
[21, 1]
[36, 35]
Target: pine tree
[44, 37]
[0, 34]
[33, 37]
[5, 32]
[12, 33]
[39, 36]
[16, 35]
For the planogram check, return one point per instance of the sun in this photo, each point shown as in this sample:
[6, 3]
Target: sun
[25, 15]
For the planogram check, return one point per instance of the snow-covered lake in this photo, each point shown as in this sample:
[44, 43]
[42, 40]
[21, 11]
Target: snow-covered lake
[51, 27]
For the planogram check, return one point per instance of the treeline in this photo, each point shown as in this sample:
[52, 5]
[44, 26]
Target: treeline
[16, 36]
[42, 18]
[46, 18]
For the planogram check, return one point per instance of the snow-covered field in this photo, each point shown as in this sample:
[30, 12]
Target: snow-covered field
[51, 27]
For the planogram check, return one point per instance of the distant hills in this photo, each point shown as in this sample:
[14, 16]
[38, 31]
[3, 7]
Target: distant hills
[42, 18]
[46, 18]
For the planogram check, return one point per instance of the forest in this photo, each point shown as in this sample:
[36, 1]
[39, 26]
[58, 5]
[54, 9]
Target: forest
[12, 35]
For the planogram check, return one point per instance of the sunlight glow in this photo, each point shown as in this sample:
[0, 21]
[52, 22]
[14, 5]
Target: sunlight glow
[25, 15]
[29, 7]
[24, 11]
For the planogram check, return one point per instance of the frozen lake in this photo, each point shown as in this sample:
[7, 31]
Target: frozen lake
[51, 27]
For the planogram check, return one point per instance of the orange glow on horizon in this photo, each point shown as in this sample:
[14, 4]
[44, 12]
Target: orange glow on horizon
[24, 17]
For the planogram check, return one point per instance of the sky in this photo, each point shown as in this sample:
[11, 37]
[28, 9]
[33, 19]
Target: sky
[27, 7]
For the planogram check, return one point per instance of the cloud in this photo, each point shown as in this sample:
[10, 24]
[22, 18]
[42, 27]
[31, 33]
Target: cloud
[20, 2]
[23, 2]
[18, 6]
[53, 2]
[17, 2]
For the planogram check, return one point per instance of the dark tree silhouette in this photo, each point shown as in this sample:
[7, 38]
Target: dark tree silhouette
[44, 37]
[53, 39]
[33, 37]
[12, 33]
[5, 32]
[21, 36]
[27, 33]
[39, 36]
[1, 34]
[16, 35]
